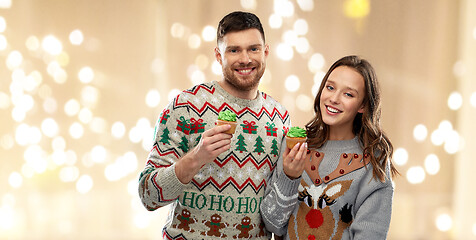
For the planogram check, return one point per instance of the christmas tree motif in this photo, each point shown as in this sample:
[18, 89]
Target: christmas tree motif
[241, 144]
[184, 144]
[164, 138]
[259, 145]
[275, 148]
[197, 141]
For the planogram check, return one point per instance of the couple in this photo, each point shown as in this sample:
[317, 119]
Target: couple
[245, 185]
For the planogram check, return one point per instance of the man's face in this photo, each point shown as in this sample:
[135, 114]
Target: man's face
[242, 55]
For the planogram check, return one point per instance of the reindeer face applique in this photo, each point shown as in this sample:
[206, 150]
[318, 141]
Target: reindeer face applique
[314, 219]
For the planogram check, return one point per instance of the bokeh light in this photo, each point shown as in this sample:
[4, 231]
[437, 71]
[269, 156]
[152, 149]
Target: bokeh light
[118, 129]
[420, 132]
[415, 175]
[356, 8]
[432, 164]
[275, 21]
[285, 51]
[455, 100]
[292, 83]
[400, 156]
[209, 33]
[84, 184]
[472, 99]
[306, 5]
[300, 27]
[15, 180]
[76, 37]
[14, 59]
[32, 43]
[152, 98]
[283, 8]
[249, 4]
[86, 74]
[194, 41]
[52, 45]
[3, 24]
[444, 222]
[3, 42]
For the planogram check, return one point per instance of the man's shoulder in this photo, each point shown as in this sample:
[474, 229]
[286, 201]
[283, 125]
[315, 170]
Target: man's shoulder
[207, 87]
[270, 99]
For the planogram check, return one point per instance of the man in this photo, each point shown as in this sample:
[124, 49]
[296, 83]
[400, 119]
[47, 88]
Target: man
[215, 181]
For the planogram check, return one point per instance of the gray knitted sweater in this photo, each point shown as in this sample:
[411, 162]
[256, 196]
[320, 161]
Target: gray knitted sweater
[222, 200]
[336, 197]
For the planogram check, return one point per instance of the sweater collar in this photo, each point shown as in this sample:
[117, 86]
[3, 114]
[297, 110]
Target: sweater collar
[341, 144]
[230, 99]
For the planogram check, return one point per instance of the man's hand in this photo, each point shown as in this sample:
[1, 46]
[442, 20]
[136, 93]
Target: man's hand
[213, 143]
[294, 159]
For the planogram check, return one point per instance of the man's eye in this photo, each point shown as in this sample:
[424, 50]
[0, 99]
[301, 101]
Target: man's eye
[233, 50]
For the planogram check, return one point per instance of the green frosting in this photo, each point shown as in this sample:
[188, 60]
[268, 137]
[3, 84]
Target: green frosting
[296, 132]
[227, 115]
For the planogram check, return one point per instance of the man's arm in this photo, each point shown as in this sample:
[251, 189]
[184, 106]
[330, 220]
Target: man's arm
[169, 167]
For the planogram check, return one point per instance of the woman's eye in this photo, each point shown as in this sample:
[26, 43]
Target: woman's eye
[349, 95]
[330, 87]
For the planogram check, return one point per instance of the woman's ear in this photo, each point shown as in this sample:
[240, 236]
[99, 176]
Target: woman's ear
[362, 108]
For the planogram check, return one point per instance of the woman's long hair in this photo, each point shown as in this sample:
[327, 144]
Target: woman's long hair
[366, 125]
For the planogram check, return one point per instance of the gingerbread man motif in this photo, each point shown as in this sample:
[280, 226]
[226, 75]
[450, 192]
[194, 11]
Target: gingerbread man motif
[215, 226]
[262, 231]
[185, 221]
[245, 227]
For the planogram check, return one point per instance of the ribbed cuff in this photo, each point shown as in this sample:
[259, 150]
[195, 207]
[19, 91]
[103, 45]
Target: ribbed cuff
[287, 186]
[174, 186]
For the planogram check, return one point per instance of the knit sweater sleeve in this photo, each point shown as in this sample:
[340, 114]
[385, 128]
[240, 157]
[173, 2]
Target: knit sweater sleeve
[280, 199]
[373, 211]
[158, 183]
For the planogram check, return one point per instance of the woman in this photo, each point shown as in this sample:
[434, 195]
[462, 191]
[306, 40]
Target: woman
[342, 187]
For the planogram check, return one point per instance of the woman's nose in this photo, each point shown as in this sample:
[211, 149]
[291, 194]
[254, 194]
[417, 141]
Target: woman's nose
[334, 98]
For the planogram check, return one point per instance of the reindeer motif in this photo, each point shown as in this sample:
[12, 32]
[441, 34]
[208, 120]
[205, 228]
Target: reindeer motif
[314, 218]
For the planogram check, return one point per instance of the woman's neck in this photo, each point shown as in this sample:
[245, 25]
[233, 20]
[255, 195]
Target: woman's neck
[336, 133]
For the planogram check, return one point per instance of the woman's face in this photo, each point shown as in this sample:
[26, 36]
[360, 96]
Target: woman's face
[342, 98]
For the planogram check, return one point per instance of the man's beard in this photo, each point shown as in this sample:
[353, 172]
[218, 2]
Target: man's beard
[243, 83]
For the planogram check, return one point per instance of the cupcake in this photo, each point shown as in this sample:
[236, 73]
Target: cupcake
[295, 135]
[227, 117]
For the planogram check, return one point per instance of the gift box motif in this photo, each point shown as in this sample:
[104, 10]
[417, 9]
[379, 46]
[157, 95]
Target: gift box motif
[197, 126]
[285, 130]
[164, 116]
[249, 127]
[271, 130]
[184, 125]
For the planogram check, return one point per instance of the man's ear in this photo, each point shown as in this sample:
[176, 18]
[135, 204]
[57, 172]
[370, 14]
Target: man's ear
[266, 50]
[218, 55]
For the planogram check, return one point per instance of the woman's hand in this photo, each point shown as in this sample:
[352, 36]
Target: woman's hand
[294, 159]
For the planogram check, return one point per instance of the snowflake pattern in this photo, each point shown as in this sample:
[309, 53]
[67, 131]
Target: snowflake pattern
[210, 169]
[221, 174]
[230, 169]
[240, 175]
[249, 170]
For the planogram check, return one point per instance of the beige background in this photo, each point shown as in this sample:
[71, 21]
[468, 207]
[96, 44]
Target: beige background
[423, 52]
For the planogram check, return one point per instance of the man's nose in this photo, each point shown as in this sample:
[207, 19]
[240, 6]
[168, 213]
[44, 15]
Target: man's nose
[245, 57]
